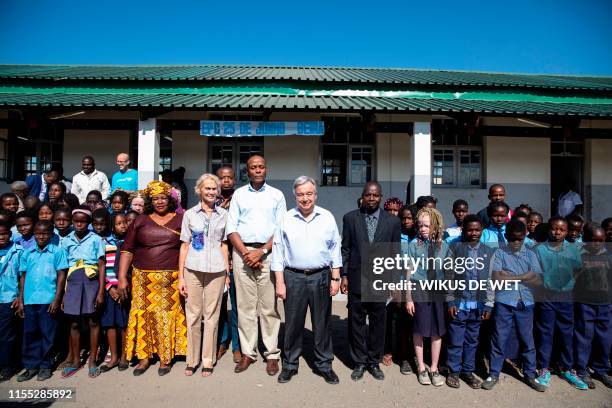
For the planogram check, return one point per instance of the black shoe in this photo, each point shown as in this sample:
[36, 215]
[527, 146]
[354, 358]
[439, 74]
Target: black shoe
[453, 380]
[140, 371]
[605, 379]
[588, 381]
[286, 374]
[531, 381]
[329, 376]
[376, 372]
[405, 368]
[6, 374]
[161, 371]
[357, 373]
[471, 380]
[44, 374]
[489, 383]
[27, 375]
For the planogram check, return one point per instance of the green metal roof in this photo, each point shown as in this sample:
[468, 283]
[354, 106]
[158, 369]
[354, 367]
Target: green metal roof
[392, 76]
[297, 102]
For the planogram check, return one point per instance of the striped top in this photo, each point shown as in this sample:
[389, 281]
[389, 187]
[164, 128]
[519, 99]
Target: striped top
[112, 246]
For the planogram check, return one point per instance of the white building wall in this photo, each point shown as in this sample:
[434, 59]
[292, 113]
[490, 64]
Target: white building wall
[103, 145]
[598, 179]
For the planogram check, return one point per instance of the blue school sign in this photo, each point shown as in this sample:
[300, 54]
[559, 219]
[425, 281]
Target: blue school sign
[254, 128]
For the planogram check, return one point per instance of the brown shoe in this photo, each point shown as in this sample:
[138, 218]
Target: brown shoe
[243, 364]
[221, 351]
[272, 367]
[237, 356]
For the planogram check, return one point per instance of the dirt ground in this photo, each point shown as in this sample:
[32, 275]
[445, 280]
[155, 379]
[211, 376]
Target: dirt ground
[254, 388]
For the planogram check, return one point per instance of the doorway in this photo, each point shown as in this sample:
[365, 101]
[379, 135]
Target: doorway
[567, 164]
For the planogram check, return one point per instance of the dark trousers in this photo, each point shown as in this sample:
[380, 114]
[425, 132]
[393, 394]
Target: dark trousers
[228, 324]
[593, 334]
[503, 316]
[463, 333]
[8, 336]
[38, 335]
[303, 292]
[555, 318]
[366, 344]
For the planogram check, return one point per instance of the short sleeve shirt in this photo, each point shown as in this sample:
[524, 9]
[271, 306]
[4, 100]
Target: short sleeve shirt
[9, 272]
[40, 267]
[89, 249]
[204, 235]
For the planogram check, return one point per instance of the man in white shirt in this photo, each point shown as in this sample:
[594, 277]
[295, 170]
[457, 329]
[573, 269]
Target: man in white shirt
[569, 201]
[89, 179]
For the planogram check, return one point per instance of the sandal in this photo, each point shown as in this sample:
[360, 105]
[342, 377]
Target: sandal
[69, 371]
[207, 371]
[93, 372]
[105, 367]
[189, 371]
[387, 360]
[122, 366]
[453, 380]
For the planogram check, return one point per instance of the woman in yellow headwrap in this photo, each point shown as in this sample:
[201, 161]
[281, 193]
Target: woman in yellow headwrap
[156, 323]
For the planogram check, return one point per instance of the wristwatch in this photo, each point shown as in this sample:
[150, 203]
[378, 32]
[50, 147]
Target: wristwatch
[336, 279]
[265, 251]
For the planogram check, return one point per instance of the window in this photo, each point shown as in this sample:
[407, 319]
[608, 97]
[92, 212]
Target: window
[457, 155]
[165, 151]
[347, 152]
[234, 152]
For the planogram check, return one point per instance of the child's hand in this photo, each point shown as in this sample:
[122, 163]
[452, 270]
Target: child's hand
[114, 294]
[52, 309]
[99, 300]
[410, 308]
[15, 304]
[486, 315]
[452, 312]
[20, 309]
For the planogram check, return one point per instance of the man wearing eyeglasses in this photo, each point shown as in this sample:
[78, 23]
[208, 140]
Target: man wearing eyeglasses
[306, 261]
[126, 178]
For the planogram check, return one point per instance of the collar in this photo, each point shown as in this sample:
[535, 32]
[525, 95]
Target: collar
[47, 248]
[261, 189]
[215, 208]
[93, 173]
[72, 236]
[315, 212]
[375, 214]
[495, 229]
[473, 248]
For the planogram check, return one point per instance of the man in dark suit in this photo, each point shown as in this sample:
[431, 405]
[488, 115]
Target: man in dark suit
[366, 230]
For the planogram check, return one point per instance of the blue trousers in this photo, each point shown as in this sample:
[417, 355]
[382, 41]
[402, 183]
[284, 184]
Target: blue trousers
[229, 325]
[593, 334]
[38, 335]
[8, 336]
[503, 317]
[463, 333]
[555, 318]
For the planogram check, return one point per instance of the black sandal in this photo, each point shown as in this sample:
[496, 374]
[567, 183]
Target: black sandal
[191, 371]
[207, 370]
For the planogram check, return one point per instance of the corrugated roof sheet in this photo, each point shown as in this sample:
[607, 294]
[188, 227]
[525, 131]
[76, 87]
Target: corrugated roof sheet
[312, 74]
[292, 102]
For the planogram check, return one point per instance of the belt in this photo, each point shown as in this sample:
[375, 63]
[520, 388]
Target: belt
[254, 244]
[307, 271]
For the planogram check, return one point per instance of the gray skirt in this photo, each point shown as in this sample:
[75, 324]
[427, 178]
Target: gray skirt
[81, 292]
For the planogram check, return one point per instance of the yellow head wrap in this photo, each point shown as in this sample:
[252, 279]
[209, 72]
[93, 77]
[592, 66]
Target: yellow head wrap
[156, 188]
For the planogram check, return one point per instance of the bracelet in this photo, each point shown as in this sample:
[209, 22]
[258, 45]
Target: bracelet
[336, 279]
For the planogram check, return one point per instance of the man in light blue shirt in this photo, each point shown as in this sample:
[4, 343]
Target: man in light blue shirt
[125, 179]
[255, 211]
[306, 246]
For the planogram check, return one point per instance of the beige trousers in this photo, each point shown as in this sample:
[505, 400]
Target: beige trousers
[256, 298]
[204, 295]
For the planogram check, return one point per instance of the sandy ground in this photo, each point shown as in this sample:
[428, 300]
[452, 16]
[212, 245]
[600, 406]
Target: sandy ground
[254, 388]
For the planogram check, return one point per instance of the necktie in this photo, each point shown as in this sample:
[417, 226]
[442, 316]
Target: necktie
[371, 224]
[431, 271]
[500, 238]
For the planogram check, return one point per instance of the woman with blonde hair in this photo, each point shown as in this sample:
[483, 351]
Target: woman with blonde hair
[203, 273]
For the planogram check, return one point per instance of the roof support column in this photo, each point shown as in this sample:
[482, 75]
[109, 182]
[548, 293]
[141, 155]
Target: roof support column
[148, 152]
[420, 152]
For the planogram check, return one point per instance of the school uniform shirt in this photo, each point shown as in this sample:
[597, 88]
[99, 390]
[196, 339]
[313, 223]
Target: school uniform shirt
[89, 249]
[559, 265]
[594, 280]
[57, 238]
[567, 203]
[83, 183]
[9, 272]
[517, 263]
[127, 180]
[452, 232]
[420, 249]
[40, 267]
[494, 237]
[26, 243]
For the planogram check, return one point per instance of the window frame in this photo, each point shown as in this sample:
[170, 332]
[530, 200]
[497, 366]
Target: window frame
[456, 149]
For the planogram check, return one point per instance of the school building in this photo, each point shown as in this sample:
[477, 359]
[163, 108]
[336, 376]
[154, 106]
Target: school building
[418, 132]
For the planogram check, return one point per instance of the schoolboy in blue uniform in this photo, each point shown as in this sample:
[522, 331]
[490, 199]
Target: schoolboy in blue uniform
[495, 234]
[24, 221]
[575, 223]
[468, 308]
[593, 318]
[514, 262]
[43, 275]
[9, 301]
[555, 313]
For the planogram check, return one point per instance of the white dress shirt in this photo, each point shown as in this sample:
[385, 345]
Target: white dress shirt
[83, 183]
